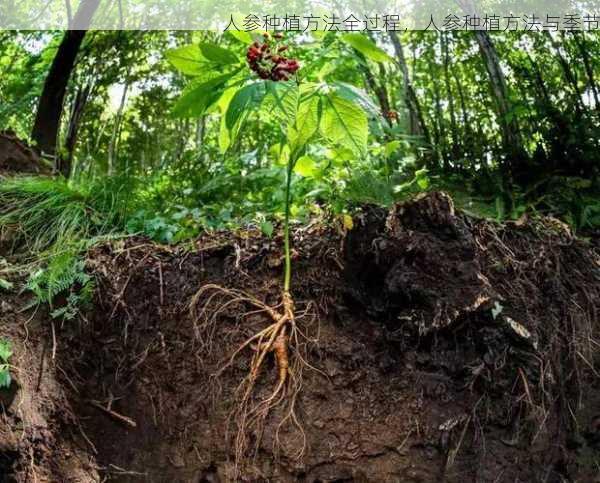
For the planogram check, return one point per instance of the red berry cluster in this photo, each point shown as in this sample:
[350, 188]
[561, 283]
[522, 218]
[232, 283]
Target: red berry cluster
[268, 61]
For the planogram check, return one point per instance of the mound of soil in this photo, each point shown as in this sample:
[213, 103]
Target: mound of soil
[17, 157]
[434, 347]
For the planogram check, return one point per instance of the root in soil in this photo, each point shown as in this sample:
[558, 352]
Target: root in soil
[282, 338]
[452, 349]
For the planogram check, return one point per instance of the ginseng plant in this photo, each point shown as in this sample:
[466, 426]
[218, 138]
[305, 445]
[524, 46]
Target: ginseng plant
[272, 83]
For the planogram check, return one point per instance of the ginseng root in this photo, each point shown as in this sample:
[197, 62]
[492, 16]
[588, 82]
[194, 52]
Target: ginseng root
[280, 338]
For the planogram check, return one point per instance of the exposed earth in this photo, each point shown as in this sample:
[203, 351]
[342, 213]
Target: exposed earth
[436, 347]
[17, 157]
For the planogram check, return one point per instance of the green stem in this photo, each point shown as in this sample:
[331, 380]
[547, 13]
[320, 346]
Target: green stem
[287, 277]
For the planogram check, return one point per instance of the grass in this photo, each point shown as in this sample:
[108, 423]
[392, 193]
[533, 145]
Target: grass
[49, 214]
[51, 223]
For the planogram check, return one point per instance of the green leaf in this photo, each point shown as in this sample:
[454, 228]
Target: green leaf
[217, 55]
[241, 35]
[197, 59]
[344, 123]
[306, 167]
[358, 96]
[285, 97]
[307, 122]
[280, 154]
[339, 156]
[5, 350]
[196, 100]
[245, 100]
[423, 183]
[366, 47]
[5, 379]
[188, 59]
[392, 147]
[5, 284]
[267, 228]
[224, 137]
[422, 178]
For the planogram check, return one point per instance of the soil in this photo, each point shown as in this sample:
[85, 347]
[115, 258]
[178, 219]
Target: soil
[438, 347]
[17, 157]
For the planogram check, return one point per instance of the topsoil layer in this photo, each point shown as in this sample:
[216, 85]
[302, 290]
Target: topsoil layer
[433, 347]
[17, 157]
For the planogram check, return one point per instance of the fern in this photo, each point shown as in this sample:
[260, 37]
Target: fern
[54, 221]
[64, 275]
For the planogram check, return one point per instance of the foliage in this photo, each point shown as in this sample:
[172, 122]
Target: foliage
[304, 110]
[55, 223]
[201, 142]
[5, 354]
[51, 213]
[64, 276]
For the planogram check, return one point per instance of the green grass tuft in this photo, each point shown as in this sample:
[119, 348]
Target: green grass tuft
[48, 214]
[51, 224]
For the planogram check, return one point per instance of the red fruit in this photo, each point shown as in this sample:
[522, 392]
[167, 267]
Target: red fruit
[270, 66]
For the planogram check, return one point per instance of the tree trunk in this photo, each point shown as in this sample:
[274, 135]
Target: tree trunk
[114, 139]
[569, 76]
[417, 122]
[511, 139]
[79, 103]
[50, 105]
[440, 130]
[589, 70]
[468, 137]
[378, 88]
[453, 130]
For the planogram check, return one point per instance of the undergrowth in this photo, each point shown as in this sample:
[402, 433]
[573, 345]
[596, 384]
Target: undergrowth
[47, 214]
[64, 275]
[51, 223]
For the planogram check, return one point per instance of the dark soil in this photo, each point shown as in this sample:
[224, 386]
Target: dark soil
[443, 349]
[17, 157]
[37, 425]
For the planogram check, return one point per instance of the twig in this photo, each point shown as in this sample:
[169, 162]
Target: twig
[119, 417]
[122, 471]
[160, 278]
[53, 340]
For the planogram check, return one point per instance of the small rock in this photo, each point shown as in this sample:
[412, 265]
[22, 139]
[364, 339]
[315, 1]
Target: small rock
[520, 331]
[5, 307]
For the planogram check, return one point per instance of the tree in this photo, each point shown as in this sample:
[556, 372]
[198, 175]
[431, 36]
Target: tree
[50, 105]
[417, 122]
[507, 121]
